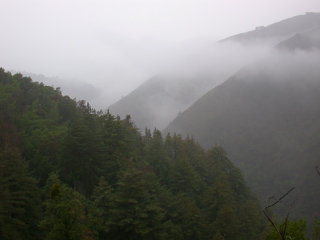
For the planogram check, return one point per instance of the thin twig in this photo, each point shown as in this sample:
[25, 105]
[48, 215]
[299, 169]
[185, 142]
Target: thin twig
[287, 217]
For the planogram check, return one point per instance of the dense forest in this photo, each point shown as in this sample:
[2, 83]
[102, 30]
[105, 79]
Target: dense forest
[68, 171]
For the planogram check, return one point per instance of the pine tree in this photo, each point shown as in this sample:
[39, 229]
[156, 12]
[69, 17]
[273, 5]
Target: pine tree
[19, 199]
[137, 212]
[83, 160]
[155, 156]
[186, 217]
[102, 208]
[65, 214]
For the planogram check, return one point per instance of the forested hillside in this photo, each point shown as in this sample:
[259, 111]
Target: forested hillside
[267, 118]
[69, 172]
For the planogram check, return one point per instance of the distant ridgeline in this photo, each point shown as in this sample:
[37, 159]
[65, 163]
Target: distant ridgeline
[278, 31]
[69, 172]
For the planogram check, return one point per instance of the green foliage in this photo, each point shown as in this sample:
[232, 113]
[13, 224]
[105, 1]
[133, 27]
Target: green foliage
[155, 154]
[296, 229]
[137, 213]
[316, 229]
[65, 215]
[81, 163]
[19, 200]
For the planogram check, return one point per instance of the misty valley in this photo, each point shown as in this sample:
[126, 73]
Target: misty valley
[224, 146]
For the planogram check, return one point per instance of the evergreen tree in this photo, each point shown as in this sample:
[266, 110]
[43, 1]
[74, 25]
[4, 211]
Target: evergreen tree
[102, 210]
[83, 160]
[19, 200]
[219, 164]
[137, 213]
[187, 219]
[65, 214]
[156, 156]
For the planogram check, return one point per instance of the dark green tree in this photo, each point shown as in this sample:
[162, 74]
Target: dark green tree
[187, 219]
[65, 214]
[82, 162]
[101, 211]
[19, 199]
[137, 213]
[156, 156]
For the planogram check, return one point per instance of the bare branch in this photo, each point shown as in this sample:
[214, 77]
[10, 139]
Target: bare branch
[316, 167]
[282, 235]
[287, 217]
[273, 224]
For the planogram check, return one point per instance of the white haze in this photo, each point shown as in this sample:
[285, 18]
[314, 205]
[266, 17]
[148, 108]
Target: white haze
[115, 45]
[298, 66]
[185, 80]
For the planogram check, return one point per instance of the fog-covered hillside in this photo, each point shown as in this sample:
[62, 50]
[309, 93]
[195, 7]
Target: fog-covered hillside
[159, 100]
[267, 117]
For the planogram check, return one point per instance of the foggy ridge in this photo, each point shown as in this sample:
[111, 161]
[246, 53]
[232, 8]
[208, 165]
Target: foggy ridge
[160, 99]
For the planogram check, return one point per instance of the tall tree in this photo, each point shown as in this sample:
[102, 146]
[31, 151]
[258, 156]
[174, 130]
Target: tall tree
[82, 163]
[156, 156]
[102, 209]
[19, 199]
[137, 212]
[65, 214]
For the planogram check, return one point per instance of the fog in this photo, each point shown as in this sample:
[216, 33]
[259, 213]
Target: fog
[293, 67]
[116, 45]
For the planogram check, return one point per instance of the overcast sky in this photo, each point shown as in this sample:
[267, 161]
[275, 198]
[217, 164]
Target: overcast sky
[118, 44]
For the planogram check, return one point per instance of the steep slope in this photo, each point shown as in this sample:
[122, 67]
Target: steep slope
[267, 118]
[158, 101]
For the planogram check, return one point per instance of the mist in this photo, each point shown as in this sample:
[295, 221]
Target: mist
[298, 66]
[117, 45]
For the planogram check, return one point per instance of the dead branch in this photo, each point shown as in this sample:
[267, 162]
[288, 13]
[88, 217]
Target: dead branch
[281, 234]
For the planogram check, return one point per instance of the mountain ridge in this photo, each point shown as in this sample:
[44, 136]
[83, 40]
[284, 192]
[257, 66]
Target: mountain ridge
[283, 29]
[157, 107]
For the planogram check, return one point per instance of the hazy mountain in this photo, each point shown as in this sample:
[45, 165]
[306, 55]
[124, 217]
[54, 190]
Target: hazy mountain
[266, 116]
[158, 100]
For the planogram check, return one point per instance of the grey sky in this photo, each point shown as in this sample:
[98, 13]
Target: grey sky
[116, 45]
